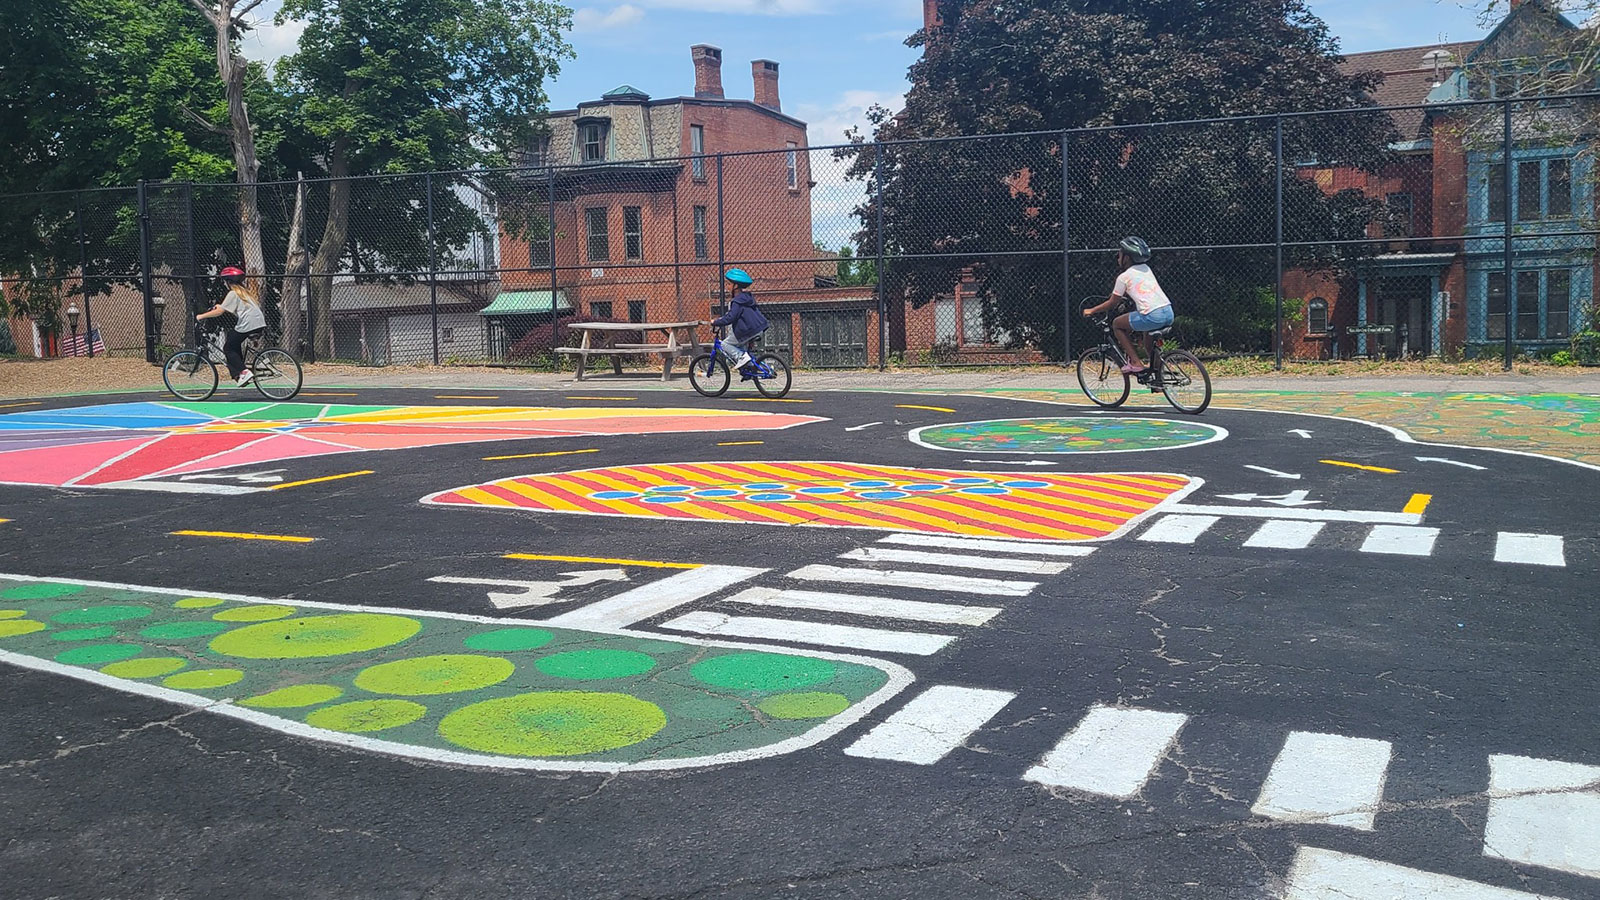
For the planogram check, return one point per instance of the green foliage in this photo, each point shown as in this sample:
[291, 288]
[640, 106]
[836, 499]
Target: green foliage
[1586, 348]
[1562, 358]
[854, 272]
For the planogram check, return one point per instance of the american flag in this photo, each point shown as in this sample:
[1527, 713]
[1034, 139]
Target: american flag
[75, 345]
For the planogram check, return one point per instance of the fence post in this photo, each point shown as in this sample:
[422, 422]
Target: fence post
[144, 274]
[1511, 280]
[190, 326]
[722, 248]
[883, 299]
[1277, 334]
[550, 177]
[83, 279]
[1066, 258]
[433, 269]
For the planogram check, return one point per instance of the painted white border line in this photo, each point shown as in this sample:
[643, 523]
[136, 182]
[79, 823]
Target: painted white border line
[649, 600]
[899, 677]
[1544, 813]
[820, 633]
[1301, 514]
[957, 561]
[1037, 548]
[1326, 779]
[928, 581]
[1329, 875]
[934, 723]
[1112, 752]
[857, 605]
[915, 436]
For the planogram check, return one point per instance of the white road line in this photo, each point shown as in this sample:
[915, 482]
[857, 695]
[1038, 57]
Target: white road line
[1112, 751]
[1326, 779]
[1329, 875]
[964, 543]
[855, 604]
[925, 730]
[957, 561]
[1305, 515]
[930, 581]
[1400, 540]
[1545, 813]
[1278, 534]
[654, 598]
[1530, 549]
[819, 633]
[1178, 529]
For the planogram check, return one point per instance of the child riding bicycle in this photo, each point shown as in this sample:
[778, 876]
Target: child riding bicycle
[747, 321]
[1152, 310]
[249, 321]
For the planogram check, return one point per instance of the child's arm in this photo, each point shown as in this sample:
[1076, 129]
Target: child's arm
[1110, 302]
[211, 313]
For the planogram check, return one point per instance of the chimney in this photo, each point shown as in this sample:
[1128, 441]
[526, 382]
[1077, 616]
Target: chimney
[765, 73]
[707, 71]
[930, 14]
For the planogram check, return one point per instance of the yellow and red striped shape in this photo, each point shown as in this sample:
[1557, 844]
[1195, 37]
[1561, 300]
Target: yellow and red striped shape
[842, 495]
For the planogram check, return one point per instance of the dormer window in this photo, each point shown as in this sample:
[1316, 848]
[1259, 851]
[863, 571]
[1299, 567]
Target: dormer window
[538, 153]
[592, 134]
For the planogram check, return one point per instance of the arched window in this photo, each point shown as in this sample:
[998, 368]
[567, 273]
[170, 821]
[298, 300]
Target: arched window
[1317, 316]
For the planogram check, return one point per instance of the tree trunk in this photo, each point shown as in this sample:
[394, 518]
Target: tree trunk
[232, 69]
[294, 271]
[331, 250]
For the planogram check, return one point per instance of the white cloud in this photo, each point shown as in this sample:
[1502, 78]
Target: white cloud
[591, 19]
[747, 7]
[267, 42]
[835, 197]
[827, 124]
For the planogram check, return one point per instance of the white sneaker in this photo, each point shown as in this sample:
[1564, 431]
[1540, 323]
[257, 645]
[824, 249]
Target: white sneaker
[742, 361]
[246, 377]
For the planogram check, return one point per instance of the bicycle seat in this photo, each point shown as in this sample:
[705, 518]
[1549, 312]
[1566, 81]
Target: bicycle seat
[1160, 332]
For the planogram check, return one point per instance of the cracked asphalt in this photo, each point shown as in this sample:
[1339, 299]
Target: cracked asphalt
[1450, 657]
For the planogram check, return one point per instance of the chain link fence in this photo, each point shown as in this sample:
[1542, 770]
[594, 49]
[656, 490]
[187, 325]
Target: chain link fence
[1321, 235]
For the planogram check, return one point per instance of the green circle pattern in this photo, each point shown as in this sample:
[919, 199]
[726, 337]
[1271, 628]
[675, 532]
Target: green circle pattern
[97, 654]
[294, 696]
[39, 591]
[804, 705]
[149, 667]
[97, 633]
[763, 671]
[362, 716]
[18, 627]
[12, 613]
[198, 603]
[595, 665]
[553, 723]
[1067, 434]
[203, 679]
[263, 613]
[426, 675]
[508, 640]
[180, 631]
[313, 636]
[100, 615]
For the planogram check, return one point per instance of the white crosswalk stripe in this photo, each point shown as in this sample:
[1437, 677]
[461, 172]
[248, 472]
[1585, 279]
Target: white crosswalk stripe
[1178, 529]
[1112, 752]
[925, 730]
[957, 561]
[823, 634]
[859, 605]
[992, 546]
[1327, 779]
[1530, 549]
[1329, 875]
[1400, 540]
[1545, 813]
[1299, 529]
[930, 581]
[1283, 534]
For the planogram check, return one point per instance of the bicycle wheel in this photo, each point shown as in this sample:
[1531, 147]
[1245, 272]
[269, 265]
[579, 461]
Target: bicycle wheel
[1100, 376]
[277, 374]
[189, 375]
[709, 375]
[1185, 381]
[772, 376]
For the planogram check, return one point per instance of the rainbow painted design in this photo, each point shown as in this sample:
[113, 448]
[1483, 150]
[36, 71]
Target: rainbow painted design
[843, 495]
[124, 444]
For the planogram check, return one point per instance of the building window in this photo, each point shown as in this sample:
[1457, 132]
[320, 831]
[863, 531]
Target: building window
[1558, 189]
[1402, 222]
[792, 164]
[700, 232]
[447, 335]
[1544, 301]
[539, 152]
[1317, 316]
[1541, 189]
[697, 147]
[636, 310]
[1528, 199]
[1497, 192]
[632, 233]
[592, 140]
[600, 309]
[599, 238]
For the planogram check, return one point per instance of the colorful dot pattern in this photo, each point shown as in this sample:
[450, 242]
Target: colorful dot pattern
[1067, 434]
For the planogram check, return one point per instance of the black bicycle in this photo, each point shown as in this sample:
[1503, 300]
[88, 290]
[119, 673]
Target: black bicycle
[191, 373]
[1178, 374]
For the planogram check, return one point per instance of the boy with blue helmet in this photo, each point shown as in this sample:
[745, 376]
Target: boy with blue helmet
[747, 321]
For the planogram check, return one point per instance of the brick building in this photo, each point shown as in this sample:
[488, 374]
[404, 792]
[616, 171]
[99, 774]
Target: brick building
[647, 215]
[1438, 285]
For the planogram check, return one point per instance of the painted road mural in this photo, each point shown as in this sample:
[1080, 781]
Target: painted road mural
[128, 444]
[1067, 434]
[839, 494]
[461, 689]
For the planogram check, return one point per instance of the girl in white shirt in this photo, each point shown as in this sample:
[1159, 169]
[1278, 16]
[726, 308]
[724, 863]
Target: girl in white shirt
[250, 321]
[1152, 311]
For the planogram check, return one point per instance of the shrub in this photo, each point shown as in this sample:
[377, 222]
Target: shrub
[1586, 348]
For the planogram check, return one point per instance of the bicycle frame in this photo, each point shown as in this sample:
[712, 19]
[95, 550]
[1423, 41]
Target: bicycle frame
[757, 369]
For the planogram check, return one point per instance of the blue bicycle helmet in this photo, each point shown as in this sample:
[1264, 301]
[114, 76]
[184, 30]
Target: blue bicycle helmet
[739, 276]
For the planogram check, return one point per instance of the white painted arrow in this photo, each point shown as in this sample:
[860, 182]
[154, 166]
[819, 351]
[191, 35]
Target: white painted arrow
[1293, 498]
[863, 427]
[536, 593]
[1011, 462]
[1300, 431]
[1451, 462]
[1274, 472]
[267, 477]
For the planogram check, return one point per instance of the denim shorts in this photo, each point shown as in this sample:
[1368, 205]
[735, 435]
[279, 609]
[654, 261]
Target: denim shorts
[1158, 319]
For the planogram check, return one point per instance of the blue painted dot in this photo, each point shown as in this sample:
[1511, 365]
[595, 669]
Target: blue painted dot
[922, 488]
[822, 490]
[670, 489]
[715, 493]
[765, 486]
[884, 495]
[1027, 484]
[771, 498]
[972, 481]
[984, 490]
[871, 484]
[669, 498]
[613, 495]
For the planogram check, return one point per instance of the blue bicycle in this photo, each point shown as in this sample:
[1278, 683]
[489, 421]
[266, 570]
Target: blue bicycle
[710, 375]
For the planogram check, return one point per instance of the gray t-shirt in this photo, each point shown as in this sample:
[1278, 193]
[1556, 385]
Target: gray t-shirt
[249, 314]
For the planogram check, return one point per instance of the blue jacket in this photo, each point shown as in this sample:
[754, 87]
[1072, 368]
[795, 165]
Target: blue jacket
[747, 321]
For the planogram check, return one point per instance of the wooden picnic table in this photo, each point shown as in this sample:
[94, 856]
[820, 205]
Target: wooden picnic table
[678, 339]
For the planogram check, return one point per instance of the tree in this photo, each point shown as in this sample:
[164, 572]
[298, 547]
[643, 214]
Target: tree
[389, 86]
[854, 272]
[993, 207]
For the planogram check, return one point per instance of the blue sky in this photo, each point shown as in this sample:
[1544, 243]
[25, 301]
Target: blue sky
[840, 56]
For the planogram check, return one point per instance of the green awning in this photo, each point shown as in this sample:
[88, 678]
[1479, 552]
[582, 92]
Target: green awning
[525, 303]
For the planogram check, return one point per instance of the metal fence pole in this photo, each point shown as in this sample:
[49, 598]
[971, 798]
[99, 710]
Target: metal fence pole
[144, 274]
[1066, 257]
[191, 328]
[722, 249]
[83, 278]
[550, 178]
[433, 269]
[1510, 281]
[883, 299]
[1277, 335]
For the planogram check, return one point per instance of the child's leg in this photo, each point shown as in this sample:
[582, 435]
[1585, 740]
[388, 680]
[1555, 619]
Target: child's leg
[232, 351]
[1124, 332]
[737, 356]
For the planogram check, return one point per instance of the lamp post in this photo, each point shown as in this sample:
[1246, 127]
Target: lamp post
[72, 318]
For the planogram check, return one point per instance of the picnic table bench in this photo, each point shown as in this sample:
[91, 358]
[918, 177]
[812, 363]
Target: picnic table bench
[678, 339]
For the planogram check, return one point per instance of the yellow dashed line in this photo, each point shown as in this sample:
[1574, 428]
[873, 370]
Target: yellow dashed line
[602, 398]
[1418, 503]
[466, 397]
[929, 408]
[279, 487]
[327, 395]
[740, 443]
[769, 400]
[646, 563]
[536, 455]
[1351, 465]
[246, 536]
[29, 403]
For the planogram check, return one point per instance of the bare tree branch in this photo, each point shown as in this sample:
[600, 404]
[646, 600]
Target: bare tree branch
[205, 10]
[204, 122]
[240, 13]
